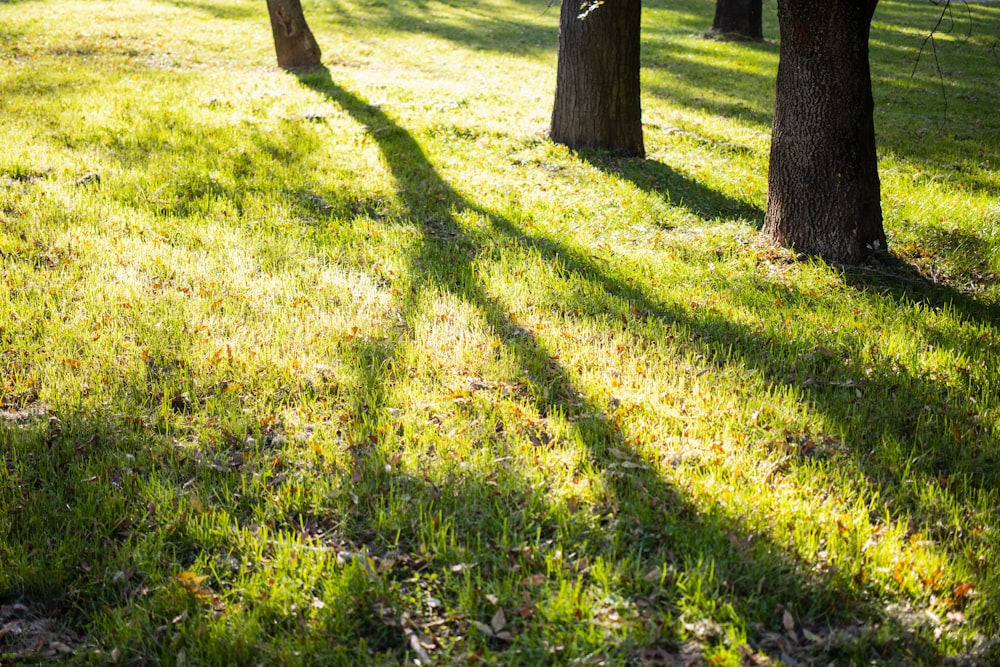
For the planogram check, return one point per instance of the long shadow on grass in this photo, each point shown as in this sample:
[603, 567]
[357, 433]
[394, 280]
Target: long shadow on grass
[218, 11]
[480, 28]
[652, 524]
[679, 190]
[904, 282]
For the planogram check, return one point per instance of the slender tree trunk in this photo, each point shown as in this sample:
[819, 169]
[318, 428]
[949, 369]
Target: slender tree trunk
[738, 19]
[294, 43]
[597, 80]
[823, 185]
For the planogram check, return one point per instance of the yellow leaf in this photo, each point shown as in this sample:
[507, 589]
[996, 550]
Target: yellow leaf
[196, 503]
[190, 578]
[191, 582]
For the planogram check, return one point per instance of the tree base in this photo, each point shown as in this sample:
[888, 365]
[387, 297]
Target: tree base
[719, 36]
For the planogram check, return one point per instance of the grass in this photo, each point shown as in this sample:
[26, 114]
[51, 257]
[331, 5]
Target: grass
[356, 367]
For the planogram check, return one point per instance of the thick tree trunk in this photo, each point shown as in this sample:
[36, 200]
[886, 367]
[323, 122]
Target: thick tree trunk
[294, 43]
[823, 186]
[597, 80]
[738, 19]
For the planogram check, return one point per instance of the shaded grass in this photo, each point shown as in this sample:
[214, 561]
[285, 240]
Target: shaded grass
[316, 369]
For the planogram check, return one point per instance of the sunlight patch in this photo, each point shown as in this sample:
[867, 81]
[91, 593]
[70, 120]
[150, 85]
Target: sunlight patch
[452, 334]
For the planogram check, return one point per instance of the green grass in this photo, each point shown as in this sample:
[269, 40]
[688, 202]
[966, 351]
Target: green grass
[323, 369]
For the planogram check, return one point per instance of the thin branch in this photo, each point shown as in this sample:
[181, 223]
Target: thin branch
[968, 10]
[945, 11]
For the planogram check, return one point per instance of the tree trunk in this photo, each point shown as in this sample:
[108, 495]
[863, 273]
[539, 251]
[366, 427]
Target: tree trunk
[738, 19]
[823, 186]
[294, 43]
[597, 79]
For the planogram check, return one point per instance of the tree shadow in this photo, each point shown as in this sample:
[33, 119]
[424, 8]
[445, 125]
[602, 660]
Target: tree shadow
[650, 517]
[960, 144]
[475, 27]
[688, 76]
[677, 189]
[642, 520]
[902, 279]
[228, 12]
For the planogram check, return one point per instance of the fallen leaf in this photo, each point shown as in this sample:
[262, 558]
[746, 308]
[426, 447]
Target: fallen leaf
[811, 636]
[705, 629]
[482, 627]
[60, 647]
[190, 578]
[963, 591]
[196, 503]
[191, 582]
[788, 621]
[418, 647]
[534, 580]
[499, 621]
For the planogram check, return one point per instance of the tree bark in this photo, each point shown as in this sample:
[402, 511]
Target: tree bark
[738, 19]
[823, 185]
[294, 43]
[597, 101]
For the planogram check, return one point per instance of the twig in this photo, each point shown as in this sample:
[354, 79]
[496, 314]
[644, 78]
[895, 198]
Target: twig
[945, 11]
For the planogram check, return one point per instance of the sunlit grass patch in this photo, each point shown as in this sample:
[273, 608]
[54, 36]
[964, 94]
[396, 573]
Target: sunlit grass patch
[358, 367]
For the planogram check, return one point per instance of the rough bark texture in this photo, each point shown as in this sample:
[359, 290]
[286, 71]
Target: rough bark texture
[823, 185]
[738, 19]
[597, 80]
[294, 43]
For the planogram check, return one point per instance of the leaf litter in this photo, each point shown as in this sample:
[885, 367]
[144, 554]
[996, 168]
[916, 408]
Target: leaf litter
[28, 632]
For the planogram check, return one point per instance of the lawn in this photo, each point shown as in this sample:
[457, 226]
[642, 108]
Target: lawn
[357, 367]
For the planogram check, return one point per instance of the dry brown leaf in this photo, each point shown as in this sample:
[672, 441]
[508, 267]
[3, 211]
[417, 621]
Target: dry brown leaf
[963, 591]
[533, 580]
